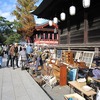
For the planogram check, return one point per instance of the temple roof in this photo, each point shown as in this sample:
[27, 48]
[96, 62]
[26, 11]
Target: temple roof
[46, 27]
[48, 9]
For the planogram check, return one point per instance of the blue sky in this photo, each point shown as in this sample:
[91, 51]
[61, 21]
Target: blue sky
[7, 6]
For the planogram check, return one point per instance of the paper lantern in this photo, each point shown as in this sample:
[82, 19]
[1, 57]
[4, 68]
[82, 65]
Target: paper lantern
[86, 3]
[55, 20]
[63, 16]
[72, 10]
[50, 22]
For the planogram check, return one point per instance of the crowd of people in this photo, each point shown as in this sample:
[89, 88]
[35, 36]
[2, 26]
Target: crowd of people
[21, 55]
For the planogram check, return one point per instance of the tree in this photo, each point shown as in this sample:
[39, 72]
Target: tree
[2, 39]
[14, 38]
[8, 31]
[24, 18]
[5, 29]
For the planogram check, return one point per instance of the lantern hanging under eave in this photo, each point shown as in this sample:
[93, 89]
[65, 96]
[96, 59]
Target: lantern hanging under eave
[72, 10]
[50, 22]
[55, 20]
[62, 16]
[86, 3]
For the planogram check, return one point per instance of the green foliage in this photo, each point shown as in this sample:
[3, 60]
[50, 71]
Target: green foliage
[14, 38]
[6, 29]
[2, 39]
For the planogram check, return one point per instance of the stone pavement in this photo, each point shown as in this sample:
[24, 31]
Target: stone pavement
[19, 85]
[58, 92]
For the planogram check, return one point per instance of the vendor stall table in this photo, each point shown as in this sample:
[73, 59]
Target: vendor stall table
[78, 86]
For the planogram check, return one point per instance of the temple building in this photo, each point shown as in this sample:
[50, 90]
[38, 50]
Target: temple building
[79, 29]
[45, 34]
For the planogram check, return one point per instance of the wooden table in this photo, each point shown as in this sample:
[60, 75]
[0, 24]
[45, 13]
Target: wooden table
[74, 95]
[77, 85]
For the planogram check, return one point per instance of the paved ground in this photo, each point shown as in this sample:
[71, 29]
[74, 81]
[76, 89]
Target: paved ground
[58, 92]
[19, 85]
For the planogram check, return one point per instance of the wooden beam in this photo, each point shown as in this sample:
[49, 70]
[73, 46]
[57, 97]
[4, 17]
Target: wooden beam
[85, 27]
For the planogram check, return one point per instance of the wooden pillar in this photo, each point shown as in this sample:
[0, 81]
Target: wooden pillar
[53, 36]
[96, 49]
[59, 32]
[69, 29]
[39, 35]
[85, 27]
[36, 36]
[68, 38]
[57, 36]
[49, 36]
[44, 36]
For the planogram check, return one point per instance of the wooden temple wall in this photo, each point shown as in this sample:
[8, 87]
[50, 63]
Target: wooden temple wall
[77, 33]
